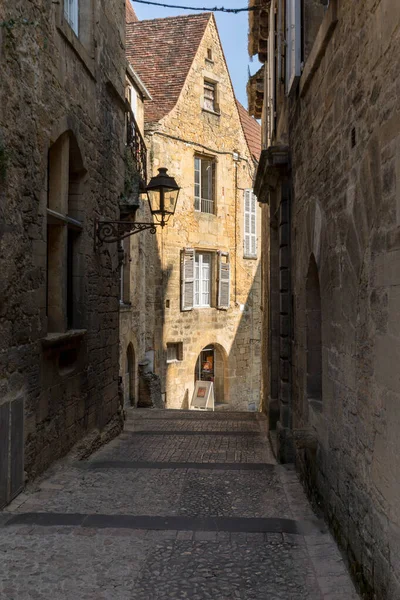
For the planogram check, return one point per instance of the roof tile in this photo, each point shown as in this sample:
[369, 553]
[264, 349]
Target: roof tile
[162, 51]
[252, 131]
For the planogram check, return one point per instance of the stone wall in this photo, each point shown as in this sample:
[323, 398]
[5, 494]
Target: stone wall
[188, 130]
[345, 148]
[57, 384]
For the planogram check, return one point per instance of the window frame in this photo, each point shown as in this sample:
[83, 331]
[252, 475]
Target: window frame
[178, 352]
[71, 13]
[199, 280]
[199, 202]
[211, 86]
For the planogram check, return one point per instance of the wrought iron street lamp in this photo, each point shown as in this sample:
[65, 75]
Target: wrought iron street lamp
[162, 193]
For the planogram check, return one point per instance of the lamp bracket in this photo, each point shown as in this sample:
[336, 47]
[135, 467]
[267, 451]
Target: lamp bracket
[107, 232]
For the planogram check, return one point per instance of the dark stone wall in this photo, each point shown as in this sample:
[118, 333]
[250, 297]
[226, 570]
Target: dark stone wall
[345, 148]
[51, 83]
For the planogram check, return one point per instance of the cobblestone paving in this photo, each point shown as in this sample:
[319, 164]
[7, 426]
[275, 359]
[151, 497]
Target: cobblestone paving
[210, 544]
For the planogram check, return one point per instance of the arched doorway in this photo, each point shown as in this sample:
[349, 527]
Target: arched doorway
[129, 377]
[211, 366]
[314, 338]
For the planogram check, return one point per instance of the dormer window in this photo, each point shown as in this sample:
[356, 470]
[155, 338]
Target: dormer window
[210, 96]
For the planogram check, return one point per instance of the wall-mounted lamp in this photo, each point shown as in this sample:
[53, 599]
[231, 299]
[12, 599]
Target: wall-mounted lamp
[162, 194]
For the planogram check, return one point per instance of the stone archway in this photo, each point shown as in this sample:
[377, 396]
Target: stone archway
[211, 365]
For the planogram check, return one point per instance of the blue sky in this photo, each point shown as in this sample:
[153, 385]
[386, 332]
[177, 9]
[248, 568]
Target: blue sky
[232, 30]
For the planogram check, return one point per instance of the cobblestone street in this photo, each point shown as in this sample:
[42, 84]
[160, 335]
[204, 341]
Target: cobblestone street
[181, 505]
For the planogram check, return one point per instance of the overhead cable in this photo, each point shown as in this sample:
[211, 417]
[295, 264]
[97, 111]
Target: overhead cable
[203, 9]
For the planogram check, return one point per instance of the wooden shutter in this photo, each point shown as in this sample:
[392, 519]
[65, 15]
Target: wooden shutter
[253, 224]
[247, 222]
[187, 278]
[224, 280]
[293, 43]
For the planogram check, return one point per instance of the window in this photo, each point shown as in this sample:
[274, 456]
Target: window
[131, 96]
[250, 224]
[209, 54]
[64, 226]
[174, 351]
[71, 11]
[197, 279]
[202, 279]
[210, 96]
[204, 184]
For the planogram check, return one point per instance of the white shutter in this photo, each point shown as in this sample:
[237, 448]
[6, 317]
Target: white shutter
[247, 222]
[293, 43]
[253, 226]
[224, 280]
[250, 224]
[187, 279]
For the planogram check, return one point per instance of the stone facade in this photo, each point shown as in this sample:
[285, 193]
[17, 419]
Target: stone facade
[175, 337]
[61, 166]
[341, 125]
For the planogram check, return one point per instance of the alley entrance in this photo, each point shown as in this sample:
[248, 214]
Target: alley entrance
[182, 505]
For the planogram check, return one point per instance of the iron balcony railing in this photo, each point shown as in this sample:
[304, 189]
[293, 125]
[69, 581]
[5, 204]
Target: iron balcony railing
[135, 143]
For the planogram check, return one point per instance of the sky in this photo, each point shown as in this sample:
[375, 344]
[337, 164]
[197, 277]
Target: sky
[232, 29]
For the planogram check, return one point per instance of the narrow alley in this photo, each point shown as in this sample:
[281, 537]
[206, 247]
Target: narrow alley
[182, 504]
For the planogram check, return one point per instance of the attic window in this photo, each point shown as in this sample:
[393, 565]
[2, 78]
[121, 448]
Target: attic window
[209, 54]
[210, 96]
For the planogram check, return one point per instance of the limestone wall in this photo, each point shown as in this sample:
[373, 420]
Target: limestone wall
[345, 144]
[54, 83]
[186, 131]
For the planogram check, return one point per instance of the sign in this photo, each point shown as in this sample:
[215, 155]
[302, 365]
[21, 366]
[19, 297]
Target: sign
[203, 396]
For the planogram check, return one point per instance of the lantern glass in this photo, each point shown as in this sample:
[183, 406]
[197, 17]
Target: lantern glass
[162, 193]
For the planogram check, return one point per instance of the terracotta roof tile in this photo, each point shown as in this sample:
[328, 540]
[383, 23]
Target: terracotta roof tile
[162, 51]
[252, 131]
[130, 13]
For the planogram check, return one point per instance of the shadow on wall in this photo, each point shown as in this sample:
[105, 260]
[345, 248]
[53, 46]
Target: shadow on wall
[236, 373]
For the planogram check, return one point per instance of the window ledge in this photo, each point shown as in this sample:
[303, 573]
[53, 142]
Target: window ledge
[70, 37]
[250, 256]
[56, 339]
[318, 50]
[204, 214]
[175, 360]
[211, 112]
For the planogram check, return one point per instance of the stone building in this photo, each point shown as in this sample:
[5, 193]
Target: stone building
[203, 292]
[61, 167]
[137, 260]
[328, 94]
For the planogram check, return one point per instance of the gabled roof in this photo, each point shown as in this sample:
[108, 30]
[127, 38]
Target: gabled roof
[162, 51]
[130, 13]
[251, 130]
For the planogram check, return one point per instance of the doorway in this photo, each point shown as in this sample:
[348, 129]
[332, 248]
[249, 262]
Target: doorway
[210, 366]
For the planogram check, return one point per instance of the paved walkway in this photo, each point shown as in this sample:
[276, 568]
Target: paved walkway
[181, 505]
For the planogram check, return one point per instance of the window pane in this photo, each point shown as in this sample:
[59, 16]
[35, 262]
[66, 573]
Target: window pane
[209, 96]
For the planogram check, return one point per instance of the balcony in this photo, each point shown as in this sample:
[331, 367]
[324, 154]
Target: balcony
[136, 148]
